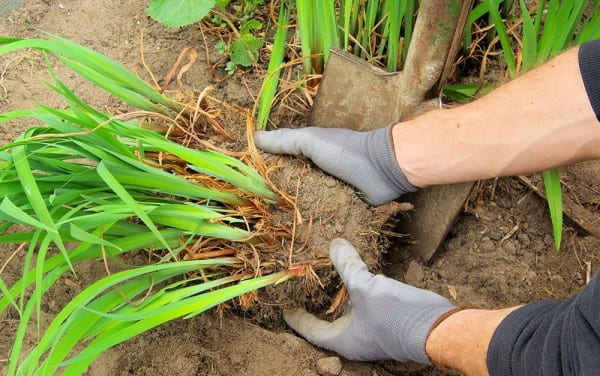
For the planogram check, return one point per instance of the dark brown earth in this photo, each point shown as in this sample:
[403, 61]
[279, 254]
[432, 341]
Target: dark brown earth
[499, 252]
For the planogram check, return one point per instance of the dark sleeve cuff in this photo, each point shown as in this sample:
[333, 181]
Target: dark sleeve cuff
[550, 337]
[589, 66]
[504, 355]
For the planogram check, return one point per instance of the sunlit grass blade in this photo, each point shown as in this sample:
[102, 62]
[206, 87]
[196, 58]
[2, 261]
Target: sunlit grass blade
[379, 31]
[128, 96]
[562, 18]
[271, 80]
[372, 7]
[554, 196]
[326, 26]
[83, 236]
[17, 348]
[197, 220]
[478, 11]
[38, 205]
[393, 49]
[129, 201]
[136, 237]
[547, 39]
[590, 29]
[529, 39]
[229, 169]
[8, 210]
[567, 29]
[8, 296]
[114, 74]
[344, 22]
[509, 56]
[384, 28]
[99, 311]
[409, 18]
[304, 12]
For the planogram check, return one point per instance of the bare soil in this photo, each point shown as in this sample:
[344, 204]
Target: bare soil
[499, 252]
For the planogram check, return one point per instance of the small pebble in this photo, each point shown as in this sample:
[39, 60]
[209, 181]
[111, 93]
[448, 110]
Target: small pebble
[330, 183]
[331, 366]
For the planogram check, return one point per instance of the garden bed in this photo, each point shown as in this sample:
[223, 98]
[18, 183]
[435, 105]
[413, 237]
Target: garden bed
[499, 252]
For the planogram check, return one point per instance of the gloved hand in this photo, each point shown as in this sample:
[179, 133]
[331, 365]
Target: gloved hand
[365, 160]
[387, 319]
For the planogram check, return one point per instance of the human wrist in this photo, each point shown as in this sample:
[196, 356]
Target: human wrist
[382, 151]
[461, 340]
[429, 147]
[404, 139]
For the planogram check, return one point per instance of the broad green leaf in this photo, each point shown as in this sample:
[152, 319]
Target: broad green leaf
[174, 13]
[244, 51]
[250, 26]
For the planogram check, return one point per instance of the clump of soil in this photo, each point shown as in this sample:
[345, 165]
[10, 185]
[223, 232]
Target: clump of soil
[328, 209]
[315, 209]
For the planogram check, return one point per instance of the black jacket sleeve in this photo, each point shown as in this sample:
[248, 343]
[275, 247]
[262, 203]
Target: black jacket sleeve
[555, 337]
[550, 337]
[589, 66]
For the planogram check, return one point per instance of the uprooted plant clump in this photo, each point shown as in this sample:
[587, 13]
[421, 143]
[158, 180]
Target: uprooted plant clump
[314, 209]
[167, 178]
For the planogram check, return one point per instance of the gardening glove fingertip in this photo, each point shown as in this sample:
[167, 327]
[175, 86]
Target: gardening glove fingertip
[348, 263]
[280, 141]
[319, 332]
[397, 317]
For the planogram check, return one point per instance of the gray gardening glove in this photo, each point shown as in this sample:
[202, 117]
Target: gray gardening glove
[365, 160]
[387, 319]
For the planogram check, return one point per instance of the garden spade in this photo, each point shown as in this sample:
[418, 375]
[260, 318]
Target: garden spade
[354, 94]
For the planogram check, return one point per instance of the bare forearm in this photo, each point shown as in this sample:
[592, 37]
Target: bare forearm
[461, 341]
[541, 120]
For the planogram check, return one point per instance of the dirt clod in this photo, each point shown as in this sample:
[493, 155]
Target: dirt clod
[330, 366]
